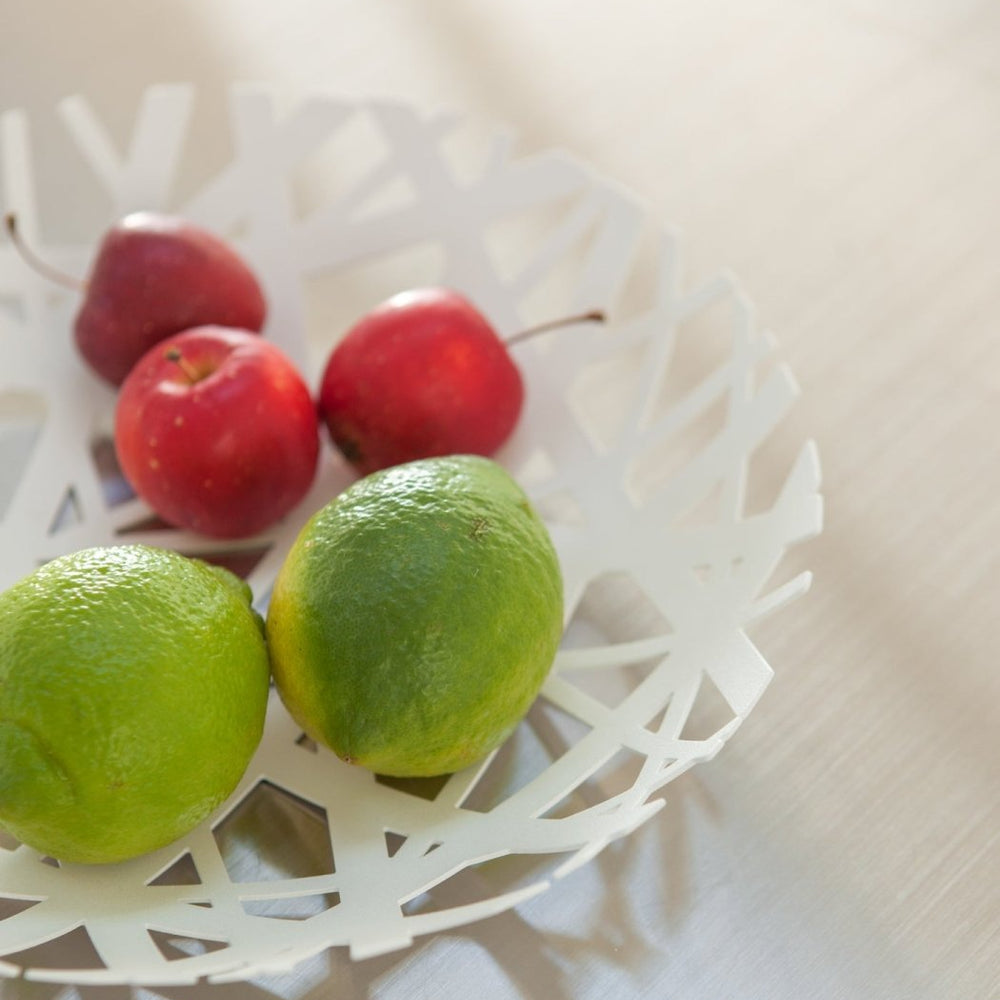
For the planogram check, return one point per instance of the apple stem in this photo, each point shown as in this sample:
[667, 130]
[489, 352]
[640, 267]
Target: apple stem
[35, 262]
[174, 354]
[592, 316]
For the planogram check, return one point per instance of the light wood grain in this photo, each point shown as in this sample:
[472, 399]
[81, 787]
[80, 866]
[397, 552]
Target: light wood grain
[843, 157]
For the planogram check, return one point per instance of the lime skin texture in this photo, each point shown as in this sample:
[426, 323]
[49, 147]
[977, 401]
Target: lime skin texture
[133, 689]
[416, 616]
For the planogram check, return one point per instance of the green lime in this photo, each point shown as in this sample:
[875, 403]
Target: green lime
[133, 687]
[416, 616]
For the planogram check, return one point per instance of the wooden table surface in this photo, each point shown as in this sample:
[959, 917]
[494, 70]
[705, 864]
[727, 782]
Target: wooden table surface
[843, 158]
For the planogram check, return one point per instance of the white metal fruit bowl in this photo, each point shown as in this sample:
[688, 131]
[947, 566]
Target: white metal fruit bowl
[639, 444]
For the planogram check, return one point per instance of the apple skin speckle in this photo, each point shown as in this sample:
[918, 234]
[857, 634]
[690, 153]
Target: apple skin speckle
[235, 449]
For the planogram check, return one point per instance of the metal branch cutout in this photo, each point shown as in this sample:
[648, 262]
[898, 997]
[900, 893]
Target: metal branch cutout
[641, 443]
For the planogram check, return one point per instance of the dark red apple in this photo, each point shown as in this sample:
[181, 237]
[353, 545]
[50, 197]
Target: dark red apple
[422, 374]
[154, 276]
[217, 431]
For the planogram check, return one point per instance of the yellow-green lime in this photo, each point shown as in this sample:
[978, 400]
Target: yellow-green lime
[416, 616]
[133, 688]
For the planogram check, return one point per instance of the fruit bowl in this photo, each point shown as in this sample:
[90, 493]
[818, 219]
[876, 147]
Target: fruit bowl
[646, 443]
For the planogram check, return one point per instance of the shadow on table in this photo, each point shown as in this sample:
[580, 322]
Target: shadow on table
[532, 951]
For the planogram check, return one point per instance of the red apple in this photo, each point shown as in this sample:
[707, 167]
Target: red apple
[217, 431]
[154, 276]
[422, 374]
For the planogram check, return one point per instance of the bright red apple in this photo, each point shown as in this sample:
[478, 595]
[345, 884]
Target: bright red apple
[217, 431]
[422, 374]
